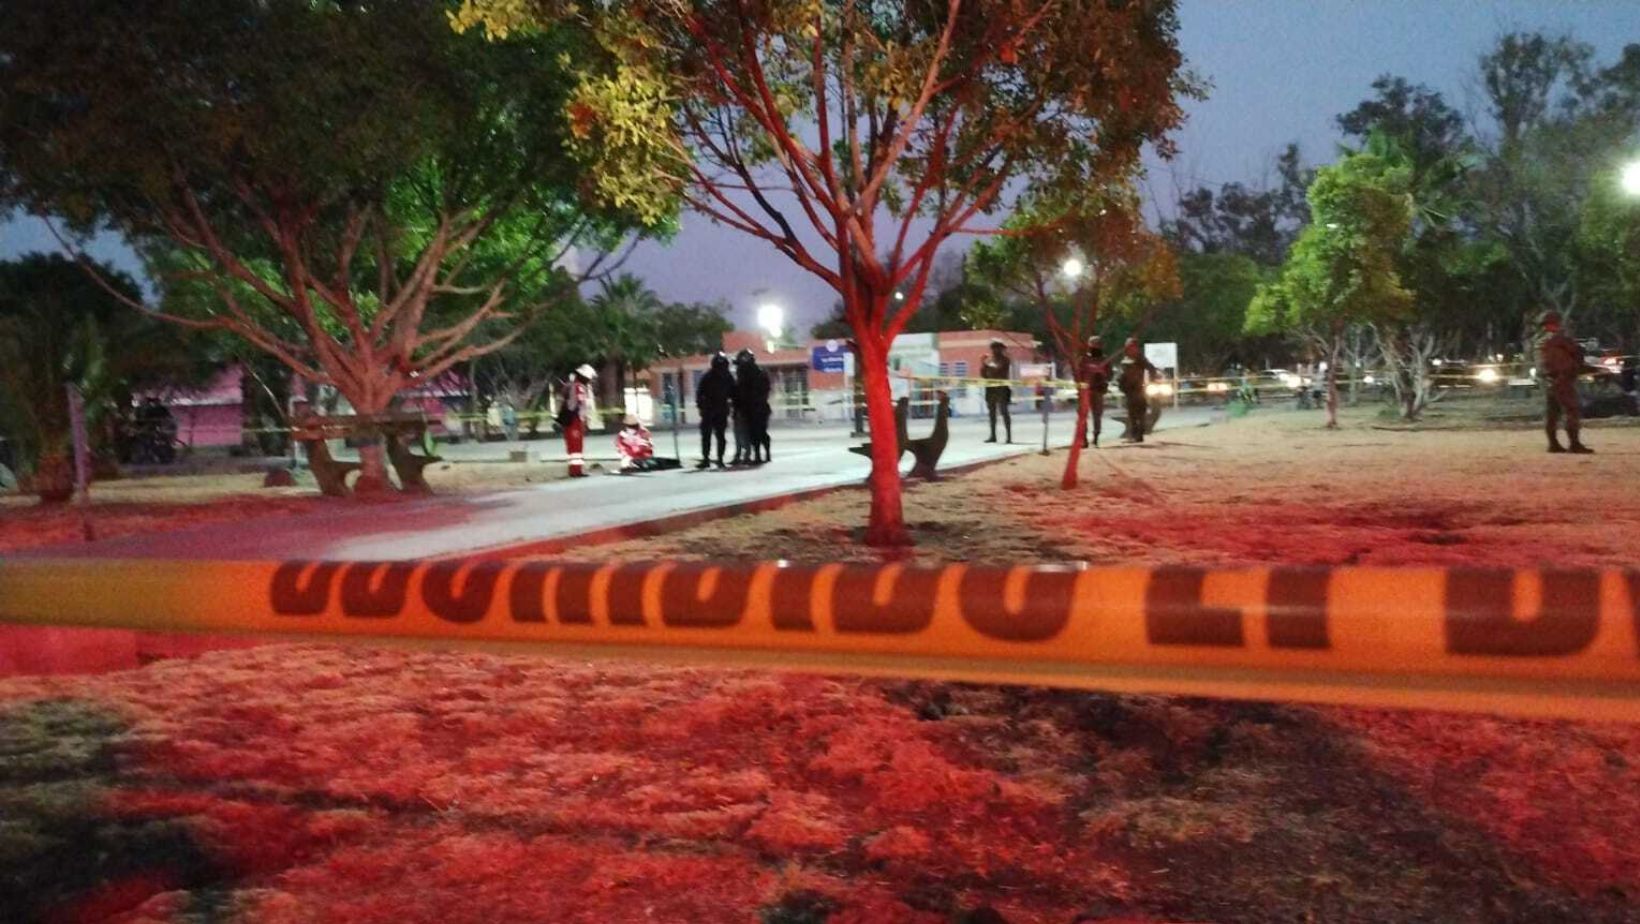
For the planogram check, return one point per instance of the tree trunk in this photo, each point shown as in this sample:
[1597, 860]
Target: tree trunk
[1075, 458]
[372, 459]
[1332, 385]
[886, 526]
[53, 476]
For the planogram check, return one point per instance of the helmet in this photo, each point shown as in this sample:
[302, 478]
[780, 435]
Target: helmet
[1096, 342]
[998, 343]
[586, 372]
[720, 360]
[1551, 319]
[745, 357]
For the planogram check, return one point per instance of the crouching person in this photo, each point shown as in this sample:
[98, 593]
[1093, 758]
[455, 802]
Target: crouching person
[637, 448]
[634, 444]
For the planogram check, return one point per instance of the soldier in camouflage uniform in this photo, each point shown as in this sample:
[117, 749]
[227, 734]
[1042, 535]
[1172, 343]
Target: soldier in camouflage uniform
[1131, 382]
[1561, 360]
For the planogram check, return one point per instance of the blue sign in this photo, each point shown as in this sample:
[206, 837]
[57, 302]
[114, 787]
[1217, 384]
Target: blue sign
[829, 357]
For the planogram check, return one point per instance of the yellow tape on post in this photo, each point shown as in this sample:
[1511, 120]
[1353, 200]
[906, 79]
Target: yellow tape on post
[1545, 643]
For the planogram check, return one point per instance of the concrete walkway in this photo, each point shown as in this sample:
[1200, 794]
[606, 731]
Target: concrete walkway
[806, 459]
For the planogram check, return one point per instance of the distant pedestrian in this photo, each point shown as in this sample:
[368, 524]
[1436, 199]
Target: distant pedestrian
[1095, 378]
[752, 412]
[1562, 362]
[999, 368]
[1131, 381]
[575, 407]
[713, 396]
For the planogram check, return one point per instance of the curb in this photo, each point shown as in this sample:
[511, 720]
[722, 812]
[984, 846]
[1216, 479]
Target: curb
[677, 522]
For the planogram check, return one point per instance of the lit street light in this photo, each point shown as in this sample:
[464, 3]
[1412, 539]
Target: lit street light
[1631, 178]
[772, 318]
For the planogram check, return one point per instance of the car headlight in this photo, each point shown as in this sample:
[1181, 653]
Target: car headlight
[1487, 376]
[1368, 379]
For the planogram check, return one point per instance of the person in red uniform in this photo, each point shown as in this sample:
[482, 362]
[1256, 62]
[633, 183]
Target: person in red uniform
[576, 404]
[635, 446]
[1096, 379]
[1561, 360]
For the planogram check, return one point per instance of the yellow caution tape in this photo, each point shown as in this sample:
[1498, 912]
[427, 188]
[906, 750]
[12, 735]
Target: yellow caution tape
[1541, 643]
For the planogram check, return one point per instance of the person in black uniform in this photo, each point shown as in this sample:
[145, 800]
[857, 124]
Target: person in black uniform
[998, 366]
[1096, 379]
[712, 399]
[751, 398]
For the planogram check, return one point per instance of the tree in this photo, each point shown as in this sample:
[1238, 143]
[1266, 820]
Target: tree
[1609, 234]
[626, 312]
[359, 196]
[858, 136]
[1558, 122]
[58, 328]
[1099, 259]
[1209, 317]
[1259, 223]
[691, 329]
[1343, 268]
[523, 371]
[1417, 117]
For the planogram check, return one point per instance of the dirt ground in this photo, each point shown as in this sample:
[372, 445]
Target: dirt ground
[132, 506]
[1271, 487]
[307, 783]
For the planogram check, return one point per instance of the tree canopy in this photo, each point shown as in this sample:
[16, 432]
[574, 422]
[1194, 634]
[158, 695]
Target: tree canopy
[857, 136]
[357, 188]
[59, 328]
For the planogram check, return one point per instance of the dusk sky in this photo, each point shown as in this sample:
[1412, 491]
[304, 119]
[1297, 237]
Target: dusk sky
[1281, 70]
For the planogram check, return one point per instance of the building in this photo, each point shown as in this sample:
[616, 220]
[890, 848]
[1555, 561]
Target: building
[816, 381]
[209, 416]
[213, 416]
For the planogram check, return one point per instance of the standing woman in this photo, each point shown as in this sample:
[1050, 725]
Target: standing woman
[574, 407]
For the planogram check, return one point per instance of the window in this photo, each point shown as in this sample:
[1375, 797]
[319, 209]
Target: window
[960, 370]
[945, 369]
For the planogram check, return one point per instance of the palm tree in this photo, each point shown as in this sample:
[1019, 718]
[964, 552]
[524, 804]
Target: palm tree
[626, 310]
[58, 328]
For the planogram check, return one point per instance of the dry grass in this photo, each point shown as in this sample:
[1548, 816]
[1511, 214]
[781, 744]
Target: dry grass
[297, 784]
[1272, 487]
[133, 506]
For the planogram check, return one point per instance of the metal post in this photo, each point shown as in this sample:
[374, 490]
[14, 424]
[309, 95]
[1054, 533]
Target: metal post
[677, 386]
[1047, 408]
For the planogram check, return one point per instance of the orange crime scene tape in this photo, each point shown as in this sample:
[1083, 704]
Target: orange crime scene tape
[1534, 643]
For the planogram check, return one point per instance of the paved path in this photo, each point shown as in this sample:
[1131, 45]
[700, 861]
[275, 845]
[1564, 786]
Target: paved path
[806, 458]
